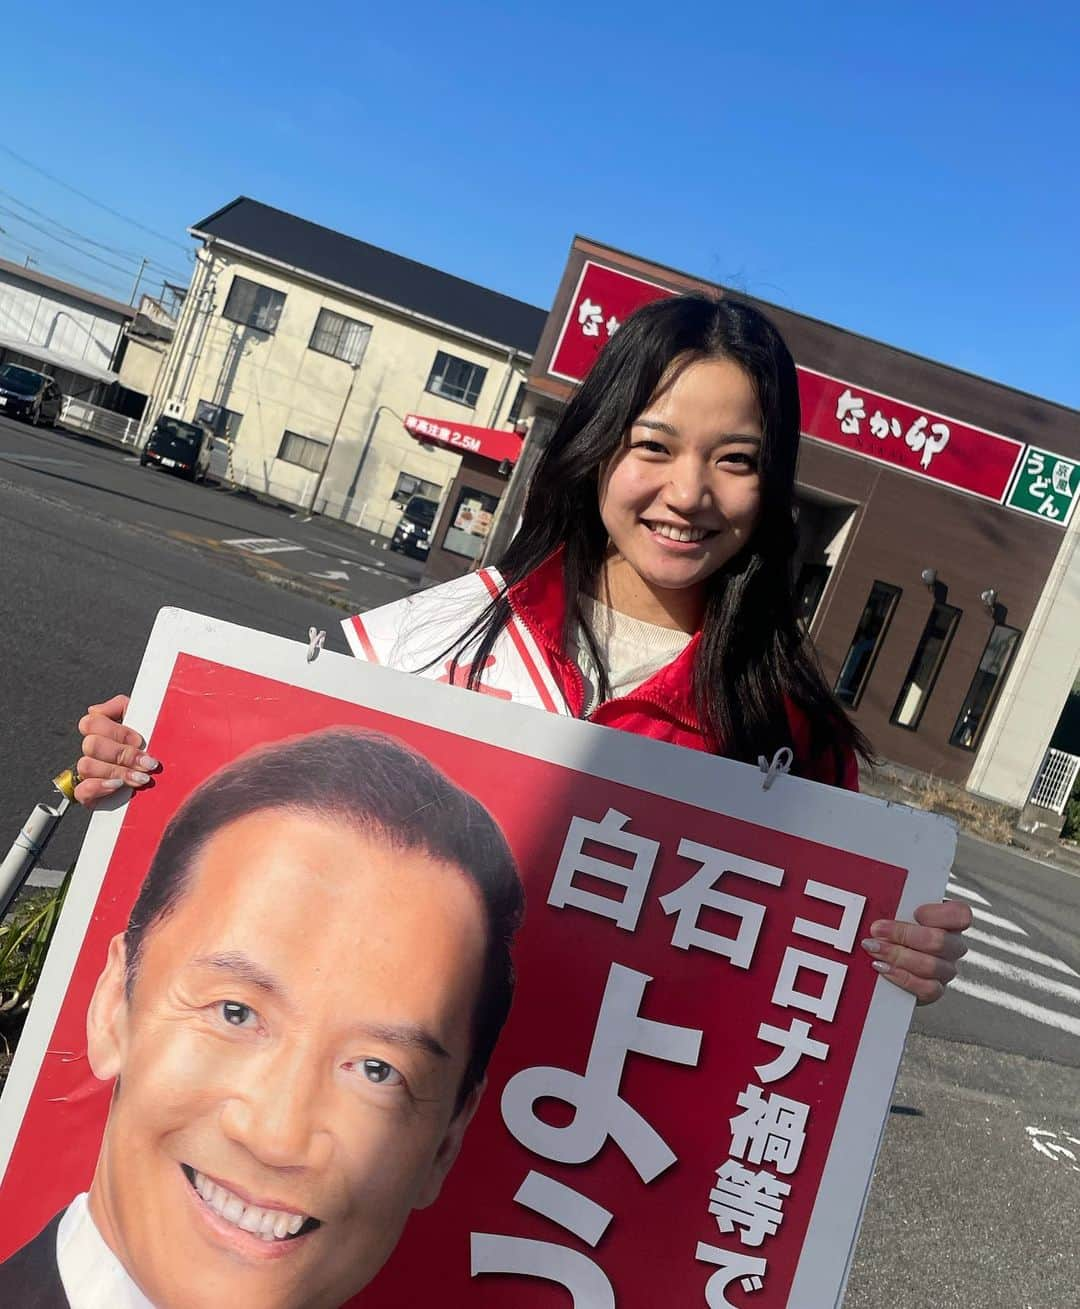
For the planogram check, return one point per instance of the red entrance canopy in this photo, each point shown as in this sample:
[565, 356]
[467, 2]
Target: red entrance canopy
[488, 442]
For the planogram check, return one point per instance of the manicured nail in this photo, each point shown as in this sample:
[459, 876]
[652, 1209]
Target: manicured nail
[872, 946]
[881, 928]
[138, 779]
[147, 761]
[112, 784]
[881, 966]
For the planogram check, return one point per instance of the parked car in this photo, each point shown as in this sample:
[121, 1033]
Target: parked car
[182, 448]
[412, 536]
[27, 394]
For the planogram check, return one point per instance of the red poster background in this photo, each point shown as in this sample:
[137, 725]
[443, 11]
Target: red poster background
[211, 714]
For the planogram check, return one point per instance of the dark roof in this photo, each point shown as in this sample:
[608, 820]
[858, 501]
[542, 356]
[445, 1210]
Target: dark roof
[66, 288]
[369, 270]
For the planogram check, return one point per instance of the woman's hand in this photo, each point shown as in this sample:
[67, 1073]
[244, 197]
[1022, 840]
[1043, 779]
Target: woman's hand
[112, 755]
[921, 957]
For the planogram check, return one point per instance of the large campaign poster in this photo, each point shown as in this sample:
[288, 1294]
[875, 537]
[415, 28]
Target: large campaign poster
[255, 1040]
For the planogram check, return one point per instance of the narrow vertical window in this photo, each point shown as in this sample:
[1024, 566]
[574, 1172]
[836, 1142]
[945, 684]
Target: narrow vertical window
[865, 644]
[985, 686]
[929, 656]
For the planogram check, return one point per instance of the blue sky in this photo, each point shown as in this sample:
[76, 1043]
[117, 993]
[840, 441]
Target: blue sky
[911, 173]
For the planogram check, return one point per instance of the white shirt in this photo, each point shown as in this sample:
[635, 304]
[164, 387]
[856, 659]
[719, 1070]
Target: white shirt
[631, 650]
[92, 1275]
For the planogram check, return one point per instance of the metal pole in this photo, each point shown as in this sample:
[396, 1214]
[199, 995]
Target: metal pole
[138, 279]
[333, 441]
[513, 500]
[364, 454]
[27, 847]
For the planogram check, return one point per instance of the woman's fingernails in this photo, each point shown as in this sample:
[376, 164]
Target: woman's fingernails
[880, 928]
[147, 761]
[881, 966]
[872, 946]
[112, 784]
[138, 779]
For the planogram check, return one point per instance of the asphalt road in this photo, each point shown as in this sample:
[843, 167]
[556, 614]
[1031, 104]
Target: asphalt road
[978, 1184]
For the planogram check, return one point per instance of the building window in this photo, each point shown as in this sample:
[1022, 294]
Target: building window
[254, 305]
[456, 379]
[408, 486]
[470, 523]
[865, 644]
[809, 589]
[223, 422]
[929, 656]
[985, 685]
[515, 408]
[302, 451]
[344, 338]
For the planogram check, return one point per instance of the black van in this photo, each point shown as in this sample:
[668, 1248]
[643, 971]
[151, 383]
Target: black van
[181, 447]
[413, 532]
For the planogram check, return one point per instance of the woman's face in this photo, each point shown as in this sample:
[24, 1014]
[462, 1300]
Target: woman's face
[682, 495]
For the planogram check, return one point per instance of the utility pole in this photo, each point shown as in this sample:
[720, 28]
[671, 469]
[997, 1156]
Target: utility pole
[349, 495]
[333, 441]
[513, 500]
[138, 279]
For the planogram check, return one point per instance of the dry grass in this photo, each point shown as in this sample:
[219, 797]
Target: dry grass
[980, 817]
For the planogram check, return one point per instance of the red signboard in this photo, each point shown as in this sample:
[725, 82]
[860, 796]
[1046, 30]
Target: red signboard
[462, 438]
[603, 300]
[914, 440]
[876, 426]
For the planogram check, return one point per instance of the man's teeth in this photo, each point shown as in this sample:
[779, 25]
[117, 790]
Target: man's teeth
[269, 1224]
[685, 534]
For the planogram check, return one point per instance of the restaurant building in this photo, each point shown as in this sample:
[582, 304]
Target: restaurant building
[939, 568]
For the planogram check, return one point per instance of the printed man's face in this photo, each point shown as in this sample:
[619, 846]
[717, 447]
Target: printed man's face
[288, 1063]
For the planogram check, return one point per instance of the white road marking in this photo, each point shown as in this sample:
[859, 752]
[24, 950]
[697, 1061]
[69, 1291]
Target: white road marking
[331, 576]
[19, 457]
[50, 877]
[1023, 951]
[976, 959]
[262, 545]
[1003, 1000]
[983, 917]
[957, 889]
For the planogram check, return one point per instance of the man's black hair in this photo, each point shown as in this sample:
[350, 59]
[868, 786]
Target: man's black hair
[376, 785]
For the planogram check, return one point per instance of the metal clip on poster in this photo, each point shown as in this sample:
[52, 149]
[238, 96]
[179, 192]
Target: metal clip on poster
[316, 641]
[781, 764]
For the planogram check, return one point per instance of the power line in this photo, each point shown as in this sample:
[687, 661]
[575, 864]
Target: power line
[89, 240]
[51, 236]
[91, 200]
[46, 257]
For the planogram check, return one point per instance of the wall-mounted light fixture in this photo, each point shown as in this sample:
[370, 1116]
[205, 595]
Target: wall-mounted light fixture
[989, 598]
[929, 577]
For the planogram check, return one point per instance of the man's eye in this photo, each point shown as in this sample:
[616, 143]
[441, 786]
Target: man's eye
[380, 1073]
[236, 1014]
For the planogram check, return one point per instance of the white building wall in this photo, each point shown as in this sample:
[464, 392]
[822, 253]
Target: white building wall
[1037, 687]
[278, 383]
[45, 319]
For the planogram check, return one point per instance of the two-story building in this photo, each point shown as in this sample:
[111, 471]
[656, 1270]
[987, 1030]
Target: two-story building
[307, 350]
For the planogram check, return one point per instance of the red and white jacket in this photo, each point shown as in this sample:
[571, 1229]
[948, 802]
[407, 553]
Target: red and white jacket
[528, 663]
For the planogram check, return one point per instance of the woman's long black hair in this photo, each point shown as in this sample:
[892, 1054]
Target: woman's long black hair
[753, 652]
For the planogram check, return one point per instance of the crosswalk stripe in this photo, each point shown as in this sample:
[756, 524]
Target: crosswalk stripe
[1003, 1000]
[1023, 951]
[957, 889]
[976, 959]
[982, 916]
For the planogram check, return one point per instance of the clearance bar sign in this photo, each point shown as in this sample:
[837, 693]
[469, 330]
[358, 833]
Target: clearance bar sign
[916, 441]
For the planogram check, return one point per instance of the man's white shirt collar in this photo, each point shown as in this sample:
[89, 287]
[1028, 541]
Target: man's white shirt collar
[92, 1275]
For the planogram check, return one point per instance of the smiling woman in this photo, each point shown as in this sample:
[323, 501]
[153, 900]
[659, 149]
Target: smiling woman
[275, 1120]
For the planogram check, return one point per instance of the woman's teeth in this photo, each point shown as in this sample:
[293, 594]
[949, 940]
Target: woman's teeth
[269, 1224]
[683, 534]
